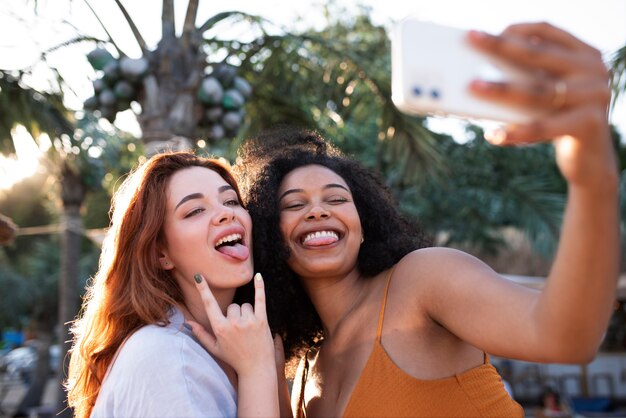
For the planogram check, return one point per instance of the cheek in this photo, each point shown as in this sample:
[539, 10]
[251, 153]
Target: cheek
[286, 228]
[183, 242]
[356, 223]
[245, 217]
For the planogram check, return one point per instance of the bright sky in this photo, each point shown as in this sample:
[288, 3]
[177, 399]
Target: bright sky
[598, 22]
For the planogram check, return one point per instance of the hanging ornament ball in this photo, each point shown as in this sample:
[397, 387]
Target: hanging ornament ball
[99, 57]
[233, 99]
[107, 98]
[210, 91]
[217, 132]
[214, 114]
[232, 121]
[224, 73]
[242, 87]
[99, 85]
[111, 72]
[124, 90]
[134, 69]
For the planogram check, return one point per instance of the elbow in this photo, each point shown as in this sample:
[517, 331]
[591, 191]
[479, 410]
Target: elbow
[572, 351]
[579, 356]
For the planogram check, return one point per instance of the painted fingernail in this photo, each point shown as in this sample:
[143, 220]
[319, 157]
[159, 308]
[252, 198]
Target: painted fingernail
[197, 278]
[258, 277]
[187, 326]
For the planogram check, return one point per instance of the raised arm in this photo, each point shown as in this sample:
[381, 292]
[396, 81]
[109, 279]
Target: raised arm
[566, 321]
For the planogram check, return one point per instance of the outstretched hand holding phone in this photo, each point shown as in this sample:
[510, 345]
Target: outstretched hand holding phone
[563, 99]
[571, 88]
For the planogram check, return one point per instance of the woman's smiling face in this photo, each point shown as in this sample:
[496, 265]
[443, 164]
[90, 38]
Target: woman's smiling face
[206, 229]
[319, 222]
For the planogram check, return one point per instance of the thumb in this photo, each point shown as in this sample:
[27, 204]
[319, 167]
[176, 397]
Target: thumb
[208, 341]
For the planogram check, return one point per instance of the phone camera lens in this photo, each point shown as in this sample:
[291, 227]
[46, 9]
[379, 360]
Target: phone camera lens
[434, 93]
[417, 91]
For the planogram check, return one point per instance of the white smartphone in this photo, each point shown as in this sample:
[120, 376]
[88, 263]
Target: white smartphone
[432, 66]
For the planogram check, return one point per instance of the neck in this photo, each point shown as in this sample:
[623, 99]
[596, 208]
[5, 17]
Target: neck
[193, 307]
[335, 298]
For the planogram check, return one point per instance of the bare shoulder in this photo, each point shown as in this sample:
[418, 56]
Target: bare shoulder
[437, 262]
[435, 269]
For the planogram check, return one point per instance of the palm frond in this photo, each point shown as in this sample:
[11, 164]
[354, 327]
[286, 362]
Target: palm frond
[119, 50]
[189, 25]
[133, 26]
[214, 20]
[168, 19]
[75, 40]
[36, 111]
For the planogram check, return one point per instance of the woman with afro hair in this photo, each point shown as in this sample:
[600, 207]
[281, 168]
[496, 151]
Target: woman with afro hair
[387, 325]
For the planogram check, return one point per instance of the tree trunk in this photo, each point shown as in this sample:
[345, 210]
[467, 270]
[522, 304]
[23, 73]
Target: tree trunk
[72, 194]
[169, 108]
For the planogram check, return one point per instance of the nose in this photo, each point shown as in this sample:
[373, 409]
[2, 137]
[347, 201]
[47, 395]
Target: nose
[227, 214]
[317, 212]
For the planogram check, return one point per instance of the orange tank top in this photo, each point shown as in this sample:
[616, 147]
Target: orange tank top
[384, 390]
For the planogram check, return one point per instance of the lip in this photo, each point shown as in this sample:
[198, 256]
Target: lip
[233, 229]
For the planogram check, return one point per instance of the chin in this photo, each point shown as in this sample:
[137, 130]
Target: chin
[241, 277]
[230, 278]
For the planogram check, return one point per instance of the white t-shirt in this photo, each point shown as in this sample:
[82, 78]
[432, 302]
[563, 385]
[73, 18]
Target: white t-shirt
[164, 372]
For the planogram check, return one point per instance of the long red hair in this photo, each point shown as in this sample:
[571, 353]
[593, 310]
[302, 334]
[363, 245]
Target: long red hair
[130, 289]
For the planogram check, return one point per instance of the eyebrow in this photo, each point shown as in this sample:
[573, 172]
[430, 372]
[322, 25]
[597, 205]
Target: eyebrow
[328, 186]
[192, 196]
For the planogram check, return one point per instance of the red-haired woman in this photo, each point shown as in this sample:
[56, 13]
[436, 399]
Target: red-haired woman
[177, 251]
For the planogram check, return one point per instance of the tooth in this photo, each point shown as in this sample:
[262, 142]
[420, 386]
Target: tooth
[229, 238]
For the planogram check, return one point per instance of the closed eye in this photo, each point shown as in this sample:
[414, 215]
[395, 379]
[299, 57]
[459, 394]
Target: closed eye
[337, 200]
[232, 202]
[293, 206]
[194, 212]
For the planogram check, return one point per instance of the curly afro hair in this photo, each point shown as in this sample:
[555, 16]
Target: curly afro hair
[261, 166]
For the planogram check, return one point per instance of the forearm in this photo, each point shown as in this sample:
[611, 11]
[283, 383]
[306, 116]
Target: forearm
[284, 399]
[574, 309]
[258, 395]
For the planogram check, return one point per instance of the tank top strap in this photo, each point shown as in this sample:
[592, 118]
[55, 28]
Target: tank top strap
[300, 412]
[381, 315]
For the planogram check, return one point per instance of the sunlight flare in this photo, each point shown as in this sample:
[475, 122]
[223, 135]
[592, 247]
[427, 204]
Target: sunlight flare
[24, 163]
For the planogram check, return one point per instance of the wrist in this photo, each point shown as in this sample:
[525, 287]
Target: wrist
[257, 371]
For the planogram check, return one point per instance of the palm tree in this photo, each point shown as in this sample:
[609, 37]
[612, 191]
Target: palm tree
[174, 80]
